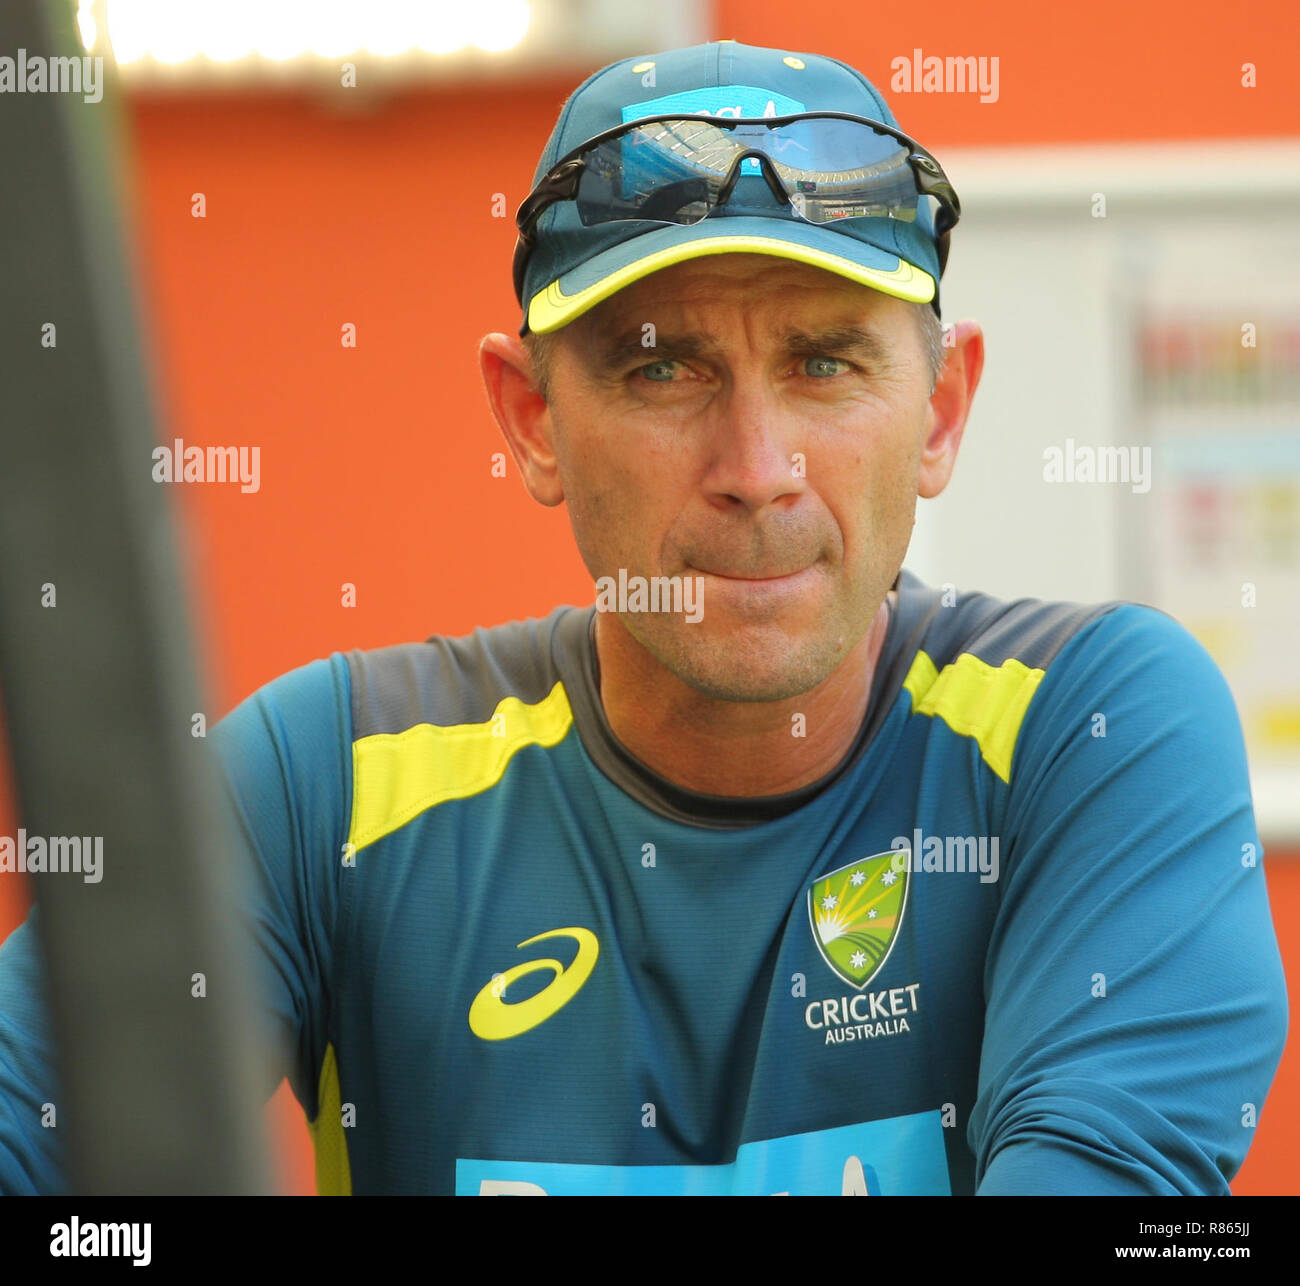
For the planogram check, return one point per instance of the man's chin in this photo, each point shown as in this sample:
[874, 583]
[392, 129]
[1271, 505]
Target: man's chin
[735, 658]
[775, 599]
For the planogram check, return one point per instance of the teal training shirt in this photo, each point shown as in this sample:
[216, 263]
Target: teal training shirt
[1018, 941]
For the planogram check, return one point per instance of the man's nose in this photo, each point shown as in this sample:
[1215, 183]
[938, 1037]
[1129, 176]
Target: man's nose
[754, 449]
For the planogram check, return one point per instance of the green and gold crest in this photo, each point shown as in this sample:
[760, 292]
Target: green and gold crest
[855, 913]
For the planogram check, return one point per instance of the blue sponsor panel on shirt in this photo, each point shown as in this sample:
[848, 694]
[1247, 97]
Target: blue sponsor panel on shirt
[901, 1156]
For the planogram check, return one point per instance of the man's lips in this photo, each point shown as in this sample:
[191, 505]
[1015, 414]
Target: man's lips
[746, 576]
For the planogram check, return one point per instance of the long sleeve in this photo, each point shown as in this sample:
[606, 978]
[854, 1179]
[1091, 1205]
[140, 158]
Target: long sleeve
[284, 758]
[31, 1155]
[287, 766]
[1136, 1004]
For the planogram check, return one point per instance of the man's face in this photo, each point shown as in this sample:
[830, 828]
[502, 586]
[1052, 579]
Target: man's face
[769, 442]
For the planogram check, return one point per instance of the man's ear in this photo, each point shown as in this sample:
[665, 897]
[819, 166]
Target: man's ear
[521, 413]
[950, 404]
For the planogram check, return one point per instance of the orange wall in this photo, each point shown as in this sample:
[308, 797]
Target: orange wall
[376, 461]
[1101, 71]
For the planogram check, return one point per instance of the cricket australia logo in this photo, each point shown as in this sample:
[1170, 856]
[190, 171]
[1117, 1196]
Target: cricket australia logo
[855, 913]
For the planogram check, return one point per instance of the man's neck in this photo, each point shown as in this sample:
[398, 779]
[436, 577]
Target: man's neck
[739, 748]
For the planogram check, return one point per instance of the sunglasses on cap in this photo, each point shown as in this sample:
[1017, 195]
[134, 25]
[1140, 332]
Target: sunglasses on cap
[673, 169]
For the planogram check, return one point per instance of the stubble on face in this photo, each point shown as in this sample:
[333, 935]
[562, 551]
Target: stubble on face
[648, 495]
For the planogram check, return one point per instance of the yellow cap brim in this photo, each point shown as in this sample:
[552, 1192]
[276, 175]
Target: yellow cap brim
[552, 308]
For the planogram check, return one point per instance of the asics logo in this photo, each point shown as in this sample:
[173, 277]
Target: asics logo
[492, 1018]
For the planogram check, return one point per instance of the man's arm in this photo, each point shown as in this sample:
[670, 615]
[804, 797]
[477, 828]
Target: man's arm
[285, 761]
[31, 1158]
[286, 755]
[1136, 1005]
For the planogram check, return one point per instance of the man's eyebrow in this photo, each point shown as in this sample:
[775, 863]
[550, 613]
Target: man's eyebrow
[613, 352]
[864, 344]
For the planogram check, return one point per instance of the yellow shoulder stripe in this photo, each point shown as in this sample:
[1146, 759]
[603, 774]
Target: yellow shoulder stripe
[333, 1174]
[397, 776]
[975, 699]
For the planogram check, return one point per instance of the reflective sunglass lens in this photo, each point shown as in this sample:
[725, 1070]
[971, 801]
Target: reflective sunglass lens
[673, 171]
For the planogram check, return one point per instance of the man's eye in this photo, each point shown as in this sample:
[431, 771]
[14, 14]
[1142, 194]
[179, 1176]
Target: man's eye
[821, 367]
[660, 372]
